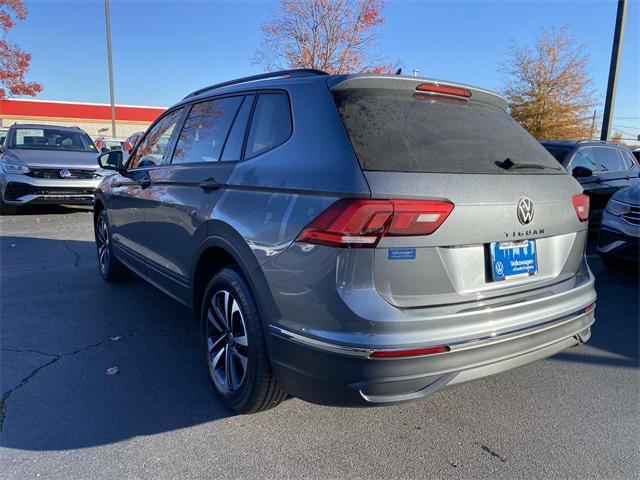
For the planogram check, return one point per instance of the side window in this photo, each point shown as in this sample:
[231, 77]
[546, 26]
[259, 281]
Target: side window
[153, 148]
[608, 159]
[583, 158]
[628, 159]
[205, 130]
[233, 147]
[271, 124]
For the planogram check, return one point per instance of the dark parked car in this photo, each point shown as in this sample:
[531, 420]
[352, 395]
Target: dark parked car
[602, 168]
[351, 239]
[619, 240]
[47, 164]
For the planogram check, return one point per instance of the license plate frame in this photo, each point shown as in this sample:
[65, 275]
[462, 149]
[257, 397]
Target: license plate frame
[513, 259]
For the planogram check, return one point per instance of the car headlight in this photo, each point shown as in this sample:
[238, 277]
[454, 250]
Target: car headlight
[15, 169]
[618, 208]
[103, 172]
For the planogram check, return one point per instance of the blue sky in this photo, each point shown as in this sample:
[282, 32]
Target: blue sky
[164, 49]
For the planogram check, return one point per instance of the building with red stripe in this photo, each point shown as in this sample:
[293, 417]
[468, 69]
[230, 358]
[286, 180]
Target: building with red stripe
[94, 118]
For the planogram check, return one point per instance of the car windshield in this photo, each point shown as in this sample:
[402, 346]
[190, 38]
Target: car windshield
[3, 135]
[50, 139]
[559, 153]
[395, 130]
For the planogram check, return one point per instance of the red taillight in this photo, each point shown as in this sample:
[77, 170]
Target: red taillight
[581, 204]
[361, 223]
[414, 352]
[458, 92]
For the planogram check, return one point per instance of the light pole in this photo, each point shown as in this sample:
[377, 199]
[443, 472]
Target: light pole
[107, 17]
[613, 69]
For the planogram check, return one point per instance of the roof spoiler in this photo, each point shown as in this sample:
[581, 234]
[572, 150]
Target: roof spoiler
[401, 82]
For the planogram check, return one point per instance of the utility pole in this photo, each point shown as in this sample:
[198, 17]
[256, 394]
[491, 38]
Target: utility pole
[107, 17]
[593, 126]
[416, 72]
[613, 69]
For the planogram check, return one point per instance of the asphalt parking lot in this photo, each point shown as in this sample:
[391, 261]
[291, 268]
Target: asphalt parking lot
[576, 415]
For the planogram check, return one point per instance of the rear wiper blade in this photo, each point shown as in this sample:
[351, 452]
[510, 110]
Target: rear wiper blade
[509, 164]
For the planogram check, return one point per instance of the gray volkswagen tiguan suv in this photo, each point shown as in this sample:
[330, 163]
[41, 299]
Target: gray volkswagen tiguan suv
[351, 239]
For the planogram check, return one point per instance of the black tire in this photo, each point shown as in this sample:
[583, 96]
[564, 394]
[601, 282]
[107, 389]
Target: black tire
[111, 269]
[6, 209]
[247, 387]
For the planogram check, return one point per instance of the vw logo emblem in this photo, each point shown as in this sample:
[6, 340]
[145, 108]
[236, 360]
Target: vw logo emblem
[499, 268]
[64, 173]
[525, 211]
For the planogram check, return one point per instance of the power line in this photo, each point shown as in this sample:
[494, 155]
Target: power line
[626, 126]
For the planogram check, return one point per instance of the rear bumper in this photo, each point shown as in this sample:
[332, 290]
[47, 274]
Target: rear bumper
[336, 374]
[22, 189]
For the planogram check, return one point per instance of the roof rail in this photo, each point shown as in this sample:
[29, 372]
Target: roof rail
[300, 72]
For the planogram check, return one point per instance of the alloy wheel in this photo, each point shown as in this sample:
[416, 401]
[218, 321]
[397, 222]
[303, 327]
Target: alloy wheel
[227, 342]
[103, 245]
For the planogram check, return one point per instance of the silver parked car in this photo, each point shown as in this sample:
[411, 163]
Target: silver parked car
[47, 164]
[351, 239]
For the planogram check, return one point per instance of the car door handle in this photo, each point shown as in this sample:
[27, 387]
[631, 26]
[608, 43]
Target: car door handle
[209, 184]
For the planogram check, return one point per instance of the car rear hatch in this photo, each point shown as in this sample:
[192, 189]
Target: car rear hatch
[454, 144]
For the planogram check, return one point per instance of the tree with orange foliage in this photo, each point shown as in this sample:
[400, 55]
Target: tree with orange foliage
[14, 62]
[548, 89]
[617, 138]
[337, 36]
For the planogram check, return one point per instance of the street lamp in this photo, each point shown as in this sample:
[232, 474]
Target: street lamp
[610, 98]
[107, 17]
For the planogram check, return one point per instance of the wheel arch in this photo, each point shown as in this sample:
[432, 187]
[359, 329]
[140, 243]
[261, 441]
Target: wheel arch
[224, 246]
[98, 206]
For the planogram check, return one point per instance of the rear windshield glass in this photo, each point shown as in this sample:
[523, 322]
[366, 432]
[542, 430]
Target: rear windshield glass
[50, 139]
[401, 131]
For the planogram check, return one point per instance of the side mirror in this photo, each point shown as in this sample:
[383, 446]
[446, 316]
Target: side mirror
[580, 172]
[112, 160]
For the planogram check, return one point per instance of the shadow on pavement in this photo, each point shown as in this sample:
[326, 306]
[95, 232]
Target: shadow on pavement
[63, 327]
[617, 328]
[58, 313]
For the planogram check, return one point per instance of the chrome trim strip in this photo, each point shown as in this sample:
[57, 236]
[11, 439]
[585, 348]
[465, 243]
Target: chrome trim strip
[454, 347]
[523, 332]
[319, 344]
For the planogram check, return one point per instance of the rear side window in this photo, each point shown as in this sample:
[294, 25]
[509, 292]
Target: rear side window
[397, 130]
[628, 159]
[205, 130]
[271, 124]
[608, 159]
[233, 148]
